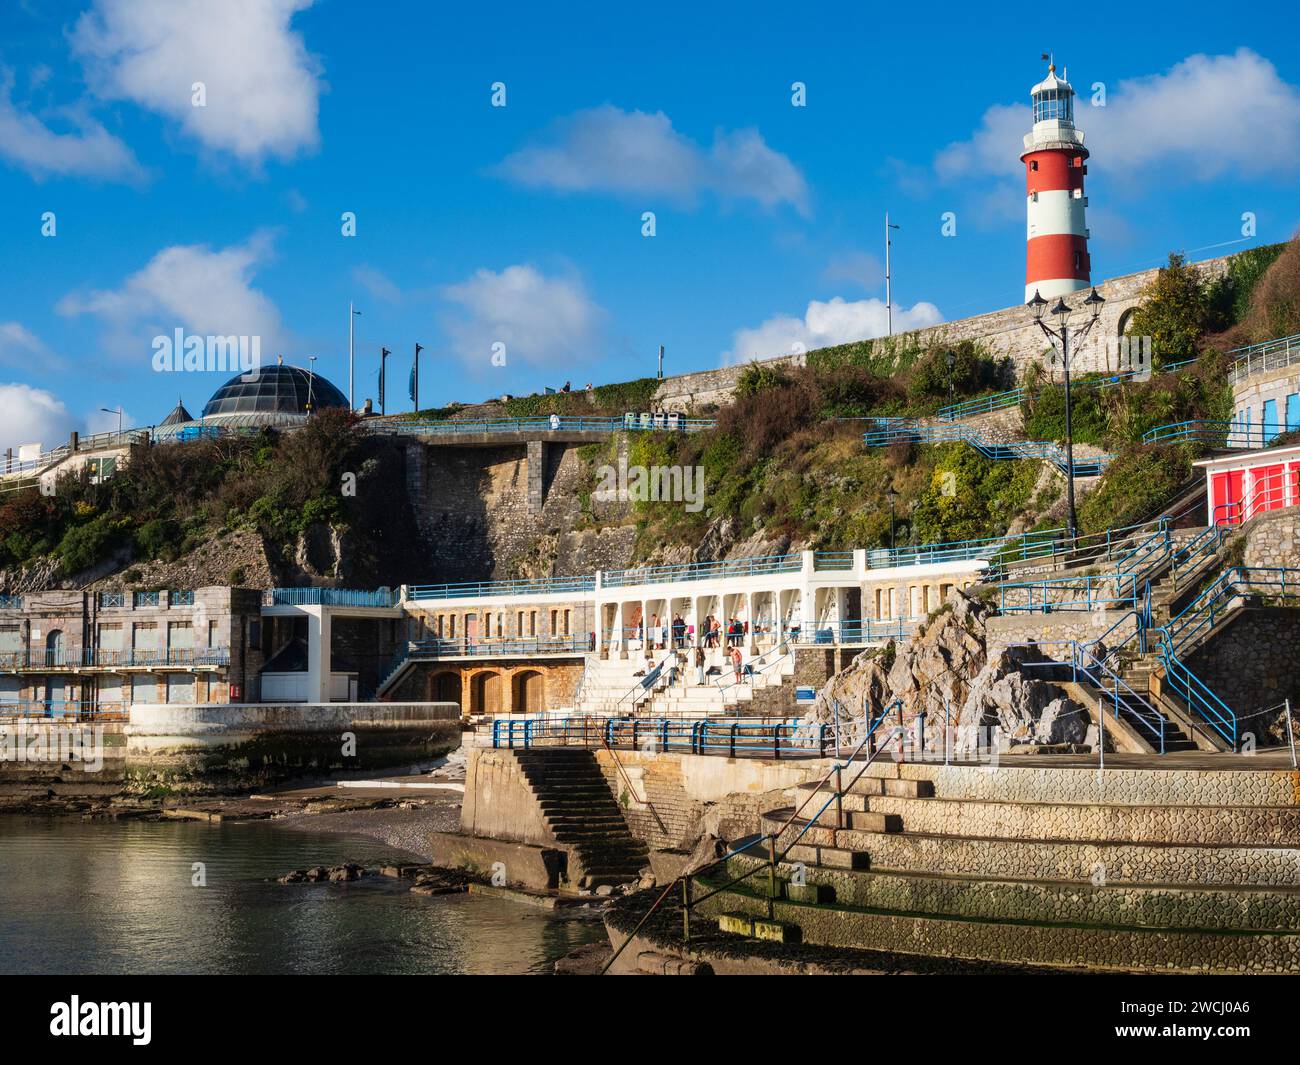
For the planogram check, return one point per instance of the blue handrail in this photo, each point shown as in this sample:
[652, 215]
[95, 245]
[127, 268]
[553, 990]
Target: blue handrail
[1042, 450]
[381, 597]
[1198, 696]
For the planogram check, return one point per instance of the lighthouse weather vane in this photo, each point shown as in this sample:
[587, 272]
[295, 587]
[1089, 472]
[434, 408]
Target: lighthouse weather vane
[1056, 256]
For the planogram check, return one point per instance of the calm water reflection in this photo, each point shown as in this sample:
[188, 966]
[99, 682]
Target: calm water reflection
[117, 898]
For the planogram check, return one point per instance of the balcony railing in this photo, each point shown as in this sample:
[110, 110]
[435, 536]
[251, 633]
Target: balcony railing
[698, 571]
[548, 424]
[103, 658]
[11, 602]
[180, 598]
[64, 710]
[380, 597]
[1261, 358]
[483, 589]
[149, 659]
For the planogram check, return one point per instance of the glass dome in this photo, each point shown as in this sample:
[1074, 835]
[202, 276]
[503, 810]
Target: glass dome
[274, 390]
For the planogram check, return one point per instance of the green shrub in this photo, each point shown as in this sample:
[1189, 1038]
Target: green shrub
[972, 371]
[1176, 312]
[1138, 482]
[759, 377]
[157, 538]
[87, 545]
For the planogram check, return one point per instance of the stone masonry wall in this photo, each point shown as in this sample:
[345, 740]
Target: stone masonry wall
[1252, 663]
[1273, 540]
[694, 794]
[1009, 333]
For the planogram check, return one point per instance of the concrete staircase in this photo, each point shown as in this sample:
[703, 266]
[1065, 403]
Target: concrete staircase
[608, 686]
[1133, 869]
[583, 816]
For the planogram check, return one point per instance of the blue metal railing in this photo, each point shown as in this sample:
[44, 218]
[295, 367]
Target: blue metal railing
[11, 602]
[1260, 358]
[1214, 602]
[1214, 434]
[65, 709]
[1104, 592]
[483, 589]
[545, 424]
[172, 656]
[1198, 696]
[731, 737]
[1001, 400]
[1042, 450]
[698, 571]
[178, 597]
[380, 597]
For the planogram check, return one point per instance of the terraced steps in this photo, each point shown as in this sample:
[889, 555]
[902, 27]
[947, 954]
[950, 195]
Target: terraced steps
[1135, 870]
[582, 814]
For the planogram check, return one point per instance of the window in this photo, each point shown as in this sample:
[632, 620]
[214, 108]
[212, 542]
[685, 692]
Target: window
[1033, 164]
[1078, 265]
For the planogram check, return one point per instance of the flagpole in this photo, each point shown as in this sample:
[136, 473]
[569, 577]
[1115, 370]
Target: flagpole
[352, 315]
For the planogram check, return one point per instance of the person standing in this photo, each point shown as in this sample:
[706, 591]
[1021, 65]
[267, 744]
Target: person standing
[737, 662]
[699, 666]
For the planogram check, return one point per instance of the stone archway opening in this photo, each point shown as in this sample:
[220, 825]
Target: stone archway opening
[487, 690]
[445, 687]
[528, 691]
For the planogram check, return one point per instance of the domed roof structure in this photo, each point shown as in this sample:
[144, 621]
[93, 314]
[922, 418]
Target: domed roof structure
[273, 390]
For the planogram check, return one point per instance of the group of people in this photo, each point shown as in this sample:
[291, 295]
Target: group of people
[676, 667]
[679, 634]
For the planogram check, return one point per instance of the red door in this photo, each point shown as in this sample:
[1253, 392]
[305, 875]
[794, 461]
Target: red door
[1225, 500]
[1293, 485]
[1269, 492]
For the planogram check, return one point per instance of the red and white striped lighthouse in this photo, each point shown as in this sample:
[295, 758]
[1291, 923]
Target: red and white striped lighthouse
[1056, 258]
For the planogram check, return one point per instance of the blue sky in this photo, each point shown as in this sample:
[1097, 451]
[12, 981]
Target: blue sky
[523, 224]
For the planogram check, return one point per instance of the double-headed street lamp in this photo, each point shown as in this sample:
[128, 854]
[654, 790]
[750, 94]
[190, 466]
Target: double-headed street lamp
[1061, 312]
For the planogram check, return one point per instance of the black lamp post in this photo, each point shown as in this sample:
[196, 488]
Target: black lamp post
[1061, 312]
[893, 496]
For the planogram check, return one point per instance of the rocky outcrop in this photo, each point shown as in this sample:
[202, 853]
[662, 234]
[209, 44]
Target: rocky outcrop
[945, 672]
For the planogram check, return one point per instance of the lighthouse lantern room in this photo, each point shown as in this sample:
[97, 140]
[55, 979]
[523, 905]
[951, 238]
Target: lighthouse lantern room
[1056, 258]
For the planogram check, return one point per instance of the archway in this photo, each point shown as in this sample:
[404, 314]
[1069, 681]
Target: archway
[54, 648]
[529, 692]
[486, 693]
[445, 687]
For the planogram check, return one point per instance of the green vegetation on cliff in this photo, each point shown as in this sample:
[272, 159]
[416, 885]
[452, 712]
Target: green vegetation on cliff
[170, 498]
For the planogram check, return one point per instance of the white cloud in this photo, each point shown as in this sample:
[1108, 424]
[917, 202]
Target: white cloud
[85, 150]
[605, 149]
[32, 416]
[188, 286]
[835, 321]
[262, 85]
[21, 348]
[1208, 116]
[542, 321]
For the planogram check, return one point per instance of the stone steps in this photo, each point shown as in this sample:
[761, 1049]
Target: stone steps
[581, 814]
[1059, 945]
[1208, 825]
[1102, 903]
[1030, 859]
